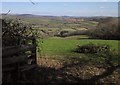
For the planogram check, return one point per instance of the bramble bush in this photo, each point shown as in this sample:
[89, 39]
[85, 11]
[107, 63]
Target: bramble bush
[110, 57]
[92, 48]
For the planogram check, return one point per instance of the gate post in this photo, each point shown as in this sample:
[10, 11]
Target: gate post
[34, 50]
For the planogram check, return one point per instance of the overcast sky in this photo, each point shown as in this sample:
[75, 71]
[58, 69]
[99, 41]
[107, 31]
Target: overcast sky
[63, 8]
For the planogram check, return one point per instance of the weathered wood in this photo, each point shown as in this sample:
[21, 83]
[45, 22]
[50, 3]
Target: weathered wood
[21, 68]
[27, 67]
[34, 51]
[9, 51]
[7, 69]
[12, 60]
[13, 56]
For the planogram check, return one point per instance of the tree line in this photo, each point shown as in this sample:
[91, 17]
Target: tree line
[107, 29]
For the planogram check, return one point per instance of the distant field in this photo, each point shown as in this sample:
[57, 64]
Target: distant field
[54, 22]
[57, 46]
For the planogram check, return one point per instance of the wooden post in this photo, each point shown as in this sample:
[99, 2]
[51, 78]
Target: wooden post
[34, 50]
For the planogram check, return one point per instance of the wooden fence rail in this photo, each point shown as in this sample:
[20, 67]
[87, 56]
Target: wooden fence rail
[19, 58]
[10, 51]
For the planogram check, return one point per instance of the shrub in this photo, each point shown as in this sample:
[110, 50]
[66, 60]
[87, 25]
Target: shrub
[107, 29]
[13, 32]
[92, 48]
[73, 33]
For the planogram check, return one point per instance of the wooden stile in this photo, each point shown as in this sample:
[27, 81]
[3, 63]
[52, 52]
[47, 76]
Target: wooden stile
[16, 58]
[13, 60]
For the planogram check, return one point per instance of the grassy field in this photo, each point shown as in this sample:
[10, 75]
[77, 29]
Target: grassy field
[57, 46]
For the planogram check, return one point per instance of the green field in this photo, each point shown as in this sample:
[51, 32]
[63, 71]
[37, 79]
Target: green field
[57, 46]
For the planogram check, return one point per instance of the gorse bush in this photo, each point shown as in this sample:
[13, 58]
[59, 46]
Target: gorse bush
[92, 48]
